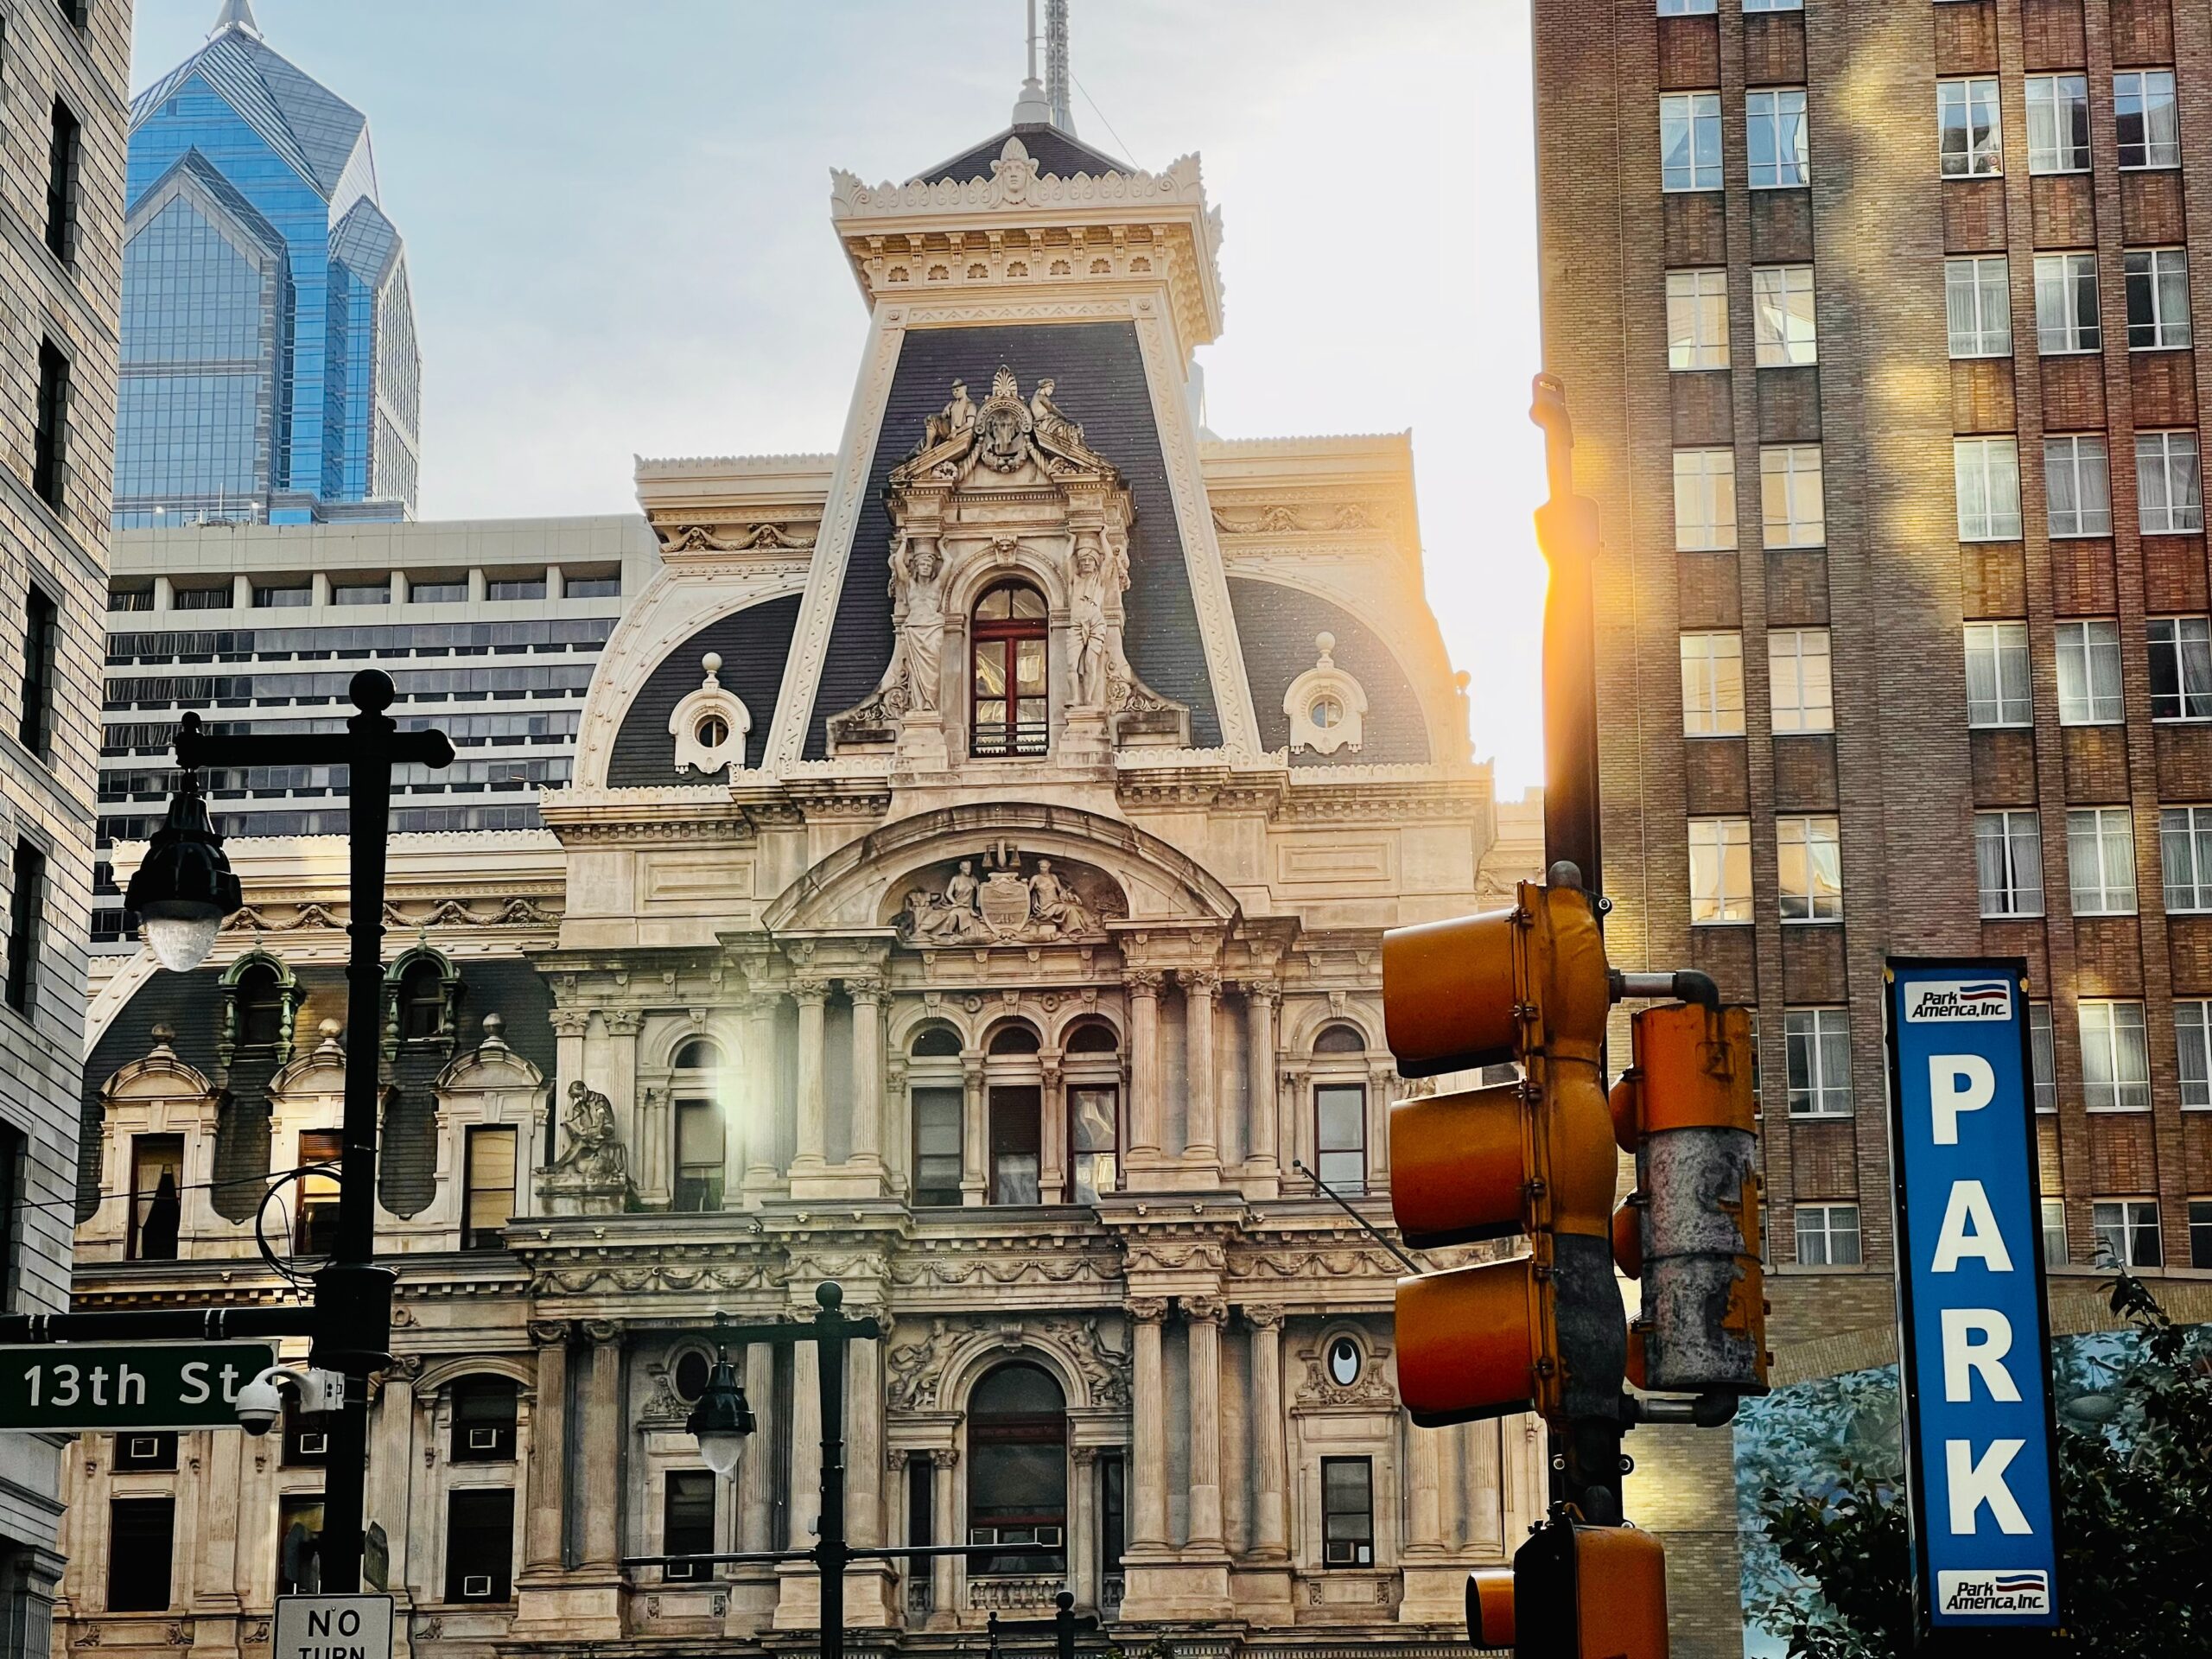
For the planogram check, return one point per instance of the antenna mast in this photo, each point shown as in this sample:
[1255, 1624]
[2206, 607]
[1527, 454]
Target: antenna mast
[1056, 60]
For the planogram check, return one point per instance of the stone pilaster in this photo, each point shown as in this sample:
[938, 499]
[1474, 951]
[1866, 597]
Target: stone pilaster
[1263, 1157]
[1144, 1068]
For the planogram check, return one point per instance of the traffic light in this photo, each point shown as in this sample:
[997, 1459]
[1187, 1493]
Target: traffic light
[1546, 1330]
[1540, 1611]
[1690, 1231]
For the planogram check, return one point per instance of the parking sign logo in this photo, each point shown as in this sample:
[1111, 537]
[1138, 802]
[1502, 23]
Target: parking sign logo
[1958, 1001]
[2024, 1590]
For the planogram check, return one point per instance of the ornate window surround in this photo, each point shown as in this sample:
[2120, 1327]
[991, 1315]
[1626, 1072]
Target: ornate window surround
[1326, 685]
[710, 725]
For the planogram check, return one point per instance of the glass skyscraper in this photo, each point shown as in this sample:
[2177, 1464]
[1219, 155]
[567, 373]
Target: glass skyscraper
[269, 368]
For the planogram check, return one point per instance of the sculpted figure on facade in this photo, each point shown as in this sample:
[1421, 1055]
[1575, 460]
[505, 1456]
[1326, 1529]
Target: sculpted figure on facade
[953, 420]
[1004, 906]
[592, 1174]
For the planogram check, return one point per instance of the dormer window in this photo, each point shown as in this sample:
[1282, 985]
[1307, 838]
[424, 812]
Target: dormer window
[1327, 705]
[1007, 711]
[422, 1002]
[261, 1008]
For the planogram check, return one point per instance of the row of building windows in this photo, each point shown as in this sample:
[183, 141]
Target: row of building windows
[297, 592]
[546, 726]
[2127, 1231]
[163, 690]
[420, 640]
[2000, 694]
[1799, 692]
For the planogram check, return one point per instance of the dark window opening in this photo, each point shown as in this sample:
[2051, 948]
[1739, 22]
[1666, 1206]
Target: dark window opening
[699, 1153]
[688, 1523]
[1018, 1480]
[422, 1002]
[938, 1042]
[2200, 1233]
[15, 1147]
[141, 1534]
[1113, 1511]
[1347, 1512]
[693, 1371]
[479, 1544]
[260, 1001]
[1016, 1149]
[1340, 1039]
[937, 1145]
[1008, 700]
[48, 474]
[484, 1420]
[1014, 1039]
[921, 1508]
[697, 1056]
[156, 1197]
[34, 730]
[26, 903]
[62, 159]
[489, 1200]
[316, 1231]
[1340, 1146]
[1094, 1140]
[1095, 1038]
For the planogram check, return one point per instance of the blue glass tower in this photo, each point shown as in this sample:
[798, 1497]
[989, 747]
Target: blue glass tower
[269, 368]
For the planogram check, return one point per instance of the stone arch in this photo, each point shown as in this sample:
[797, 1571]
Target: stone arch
[997, 1030]
[1070, 1016]
[657, 1051]
[1306, 1019]
[986, 566]
[514, 1368]
[985, 1351]
[908, 1020]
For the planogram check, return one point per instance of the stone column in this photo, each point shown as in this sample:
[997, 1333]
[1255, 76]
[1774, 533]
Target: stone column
[1263, 1159]
[1053, 1139]
[1149, 1430]
[391, 1464]
[805, 1506]
[1202, 1137]
[945, 1528]
[549, 1446]
[1382, 1080]
[867, 993]
[897, 1129]
[1424, 1501]
[762, 1076]
[1203, 1319]
[813, 1102]
[569, 1026]
[605, 1429]
[974, 1131]
[1083, 1547]
[1144, 1066]
[215, 1565]
[649, 1142]
[864, 1442]
[1270, 1502]
[752, 1589]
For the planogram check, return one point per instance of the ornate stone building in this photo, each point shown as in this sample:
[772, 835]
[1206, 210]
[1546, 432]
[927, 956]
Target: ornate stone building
[970, 889]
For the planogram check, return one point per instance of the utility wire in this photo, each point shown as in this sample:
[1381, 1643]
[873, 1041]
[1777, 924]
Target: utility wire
[1101, 114]
[183, 1186]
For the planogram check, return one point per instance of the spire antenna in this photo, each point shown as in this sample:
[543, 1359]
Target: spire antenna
[1033, 40]
[236, 14]
[1055, 63]
[1031, 109]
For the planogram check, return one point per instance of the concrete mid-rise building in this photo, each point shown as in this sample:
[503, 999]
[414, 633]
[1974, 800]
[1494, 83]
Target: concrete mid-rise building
[1877, 324]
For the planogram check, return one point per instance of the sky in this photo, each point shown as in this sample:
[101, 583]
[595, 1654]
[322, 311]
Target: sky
[617, 222]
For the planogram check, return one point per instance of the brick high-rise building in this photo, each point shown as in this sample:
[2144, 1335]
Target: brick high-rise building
[1875, 326]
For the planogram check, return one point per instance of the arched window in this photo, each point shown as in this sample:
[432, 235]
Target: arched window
[1018, 1473]
[1340, 1108]
[1092, 1071]
[1007, 709]
[1016, 1082]
[1340, 1039]
[422, 1002]
[937, 1094]
[261, 1008]
[700, 1148]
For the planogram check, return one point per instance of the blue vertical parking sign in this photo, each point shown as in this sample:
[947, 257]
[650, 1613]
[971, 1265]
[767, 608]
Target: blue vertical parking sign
[1974, 1331]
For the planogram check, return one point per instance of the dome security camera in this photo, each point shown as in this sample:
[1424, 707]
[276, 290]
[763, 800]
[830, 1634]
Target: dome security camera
[259, 1404]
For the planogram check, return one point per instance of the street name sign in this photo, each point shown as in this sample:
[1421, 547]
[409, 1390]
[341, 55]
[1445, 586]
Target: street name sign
[1975, 1332]
[86, 1388]
[332, 1627]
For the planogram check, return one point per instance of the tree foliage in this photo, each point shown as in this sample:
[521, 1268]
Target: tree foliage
[2135, 1515]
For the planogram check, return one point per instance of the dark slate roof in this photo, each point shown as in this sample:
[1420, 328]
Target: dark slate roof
[1276, 624]
[752, 644]
[191, 1005]
[1102, 384]
[1055, 152]
[310, 126]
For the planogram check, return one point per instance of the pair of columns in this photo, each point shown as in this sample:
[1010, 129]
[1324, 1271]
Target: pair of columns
[1204, 1318]
[811, 1157]
[1202, 1118]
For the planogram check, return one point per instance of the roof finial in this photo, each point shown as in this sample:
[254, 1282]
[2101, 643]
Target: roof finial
[1031, 109]
[1056, 65]
[236, 14]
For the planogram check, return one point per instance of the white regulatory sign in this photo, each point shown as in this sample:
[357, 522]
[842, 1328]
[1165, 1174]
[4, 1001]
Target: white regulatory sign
[332, 1627]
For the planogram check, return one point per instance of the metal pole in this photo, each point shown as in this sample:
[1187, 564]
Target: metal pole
[830, 1549]
[1567, 530]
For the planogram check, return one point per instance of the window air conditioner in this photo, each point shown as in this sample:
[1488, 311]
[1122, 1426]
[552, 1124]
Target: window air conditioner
[675, 1570]
[476, 1586]
[1048, 1537]
[315, 1446]
[144, 1445]
[1340, 1552]
[483, 1440]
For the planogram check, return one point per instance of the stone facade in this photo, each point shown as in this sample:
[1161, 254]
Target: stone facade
[971, 890]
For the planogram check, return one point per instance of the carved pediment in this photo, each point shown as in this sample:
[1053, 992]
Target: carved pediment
[1002, 896]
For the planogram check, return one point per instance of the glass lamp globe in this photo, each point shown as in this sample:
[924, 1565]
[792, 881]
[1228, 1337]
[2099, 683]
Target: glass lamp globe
[185, 887]
[721, 1419]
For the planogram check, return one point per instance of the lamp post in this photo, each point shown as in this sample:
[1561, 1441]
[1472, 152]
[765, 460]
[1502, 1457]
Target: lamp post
[183, 890]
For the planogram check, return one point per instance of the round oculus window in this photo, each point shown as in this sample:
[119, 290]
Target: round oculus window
[712, 732]
[692, 1369]
[1344, 1362]
[1326, 712]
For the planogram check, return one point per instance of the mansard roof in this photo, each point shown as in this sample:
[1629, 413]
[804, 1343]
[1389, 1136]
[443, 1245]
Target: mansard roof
[1276, 624]
[1054, 152]
[317, 132]
[753, 645]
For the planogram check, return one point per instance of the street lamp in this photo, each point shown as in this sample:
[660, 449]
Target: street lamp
[184, 888]
[721, 1419]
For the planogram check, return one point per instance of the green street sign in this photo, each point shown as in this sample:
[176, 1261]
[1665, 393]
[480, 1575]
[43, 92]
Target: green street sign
[83, 1387]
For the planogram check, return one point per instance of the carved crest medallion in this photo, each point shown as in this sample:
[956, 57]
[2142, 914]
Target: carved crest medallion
[1004, 901]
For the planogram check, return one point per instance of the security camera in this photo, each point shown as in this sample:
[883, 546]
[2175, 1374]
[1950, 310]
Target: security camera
[259, 1404]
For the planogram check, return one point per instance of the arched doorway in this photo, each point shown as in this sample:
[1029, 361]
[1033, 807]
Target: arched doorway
[1018, 1474]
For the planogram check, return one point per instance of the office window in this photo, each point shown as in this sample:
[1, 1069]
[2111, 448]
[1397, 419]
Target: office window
[1783, 318]
[937, 1145]
[1720, 870]
[1827, 1234]
[34, 729]
[484, 1416]
[1816, 1044]
[1685, 8]
[1774, 5]
[2058, 124]
[1713, 685]
[1775, 139]
[489, 1200]
[2144, 119]
[360, 592]
[1705, 500]
[1340, 1135]
[2169, 494]
[1689, 141]
[2008, 862]
[698, 1155]
[315, 1229]
[2115, 1056]
[48, 475]
[2077, 485]
[2200, 1233]
[2127, 1232]
[2185, 854]
[2067, 319]
[1347, 1512]
[2101, 861]
[515, 587]
[142, 1536]
[203, 599]
[2158, 298]
[1971, 141]
[1793, 512]
[1697, 319]
[26, 909]
[63, 144]
[2181, 667]
[156, 1197]
[2193, 1038]
[1987, 472]
[1978, 294]
[1809, 858]
[438, 591]
[686, 1525]
[608, 587]
[299, 1544]
[480, 1544]
[1798, 682]
[279, 596]
[2088, 674]
[2054, 1232]
[2042, 1057]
